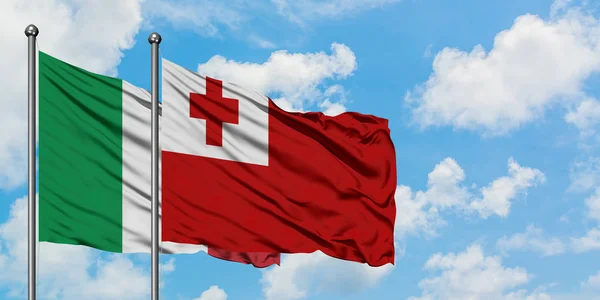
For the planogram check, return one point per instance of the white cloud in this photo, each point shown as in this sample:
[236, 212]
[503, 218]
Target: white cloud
[593, 282]
[332, 109]
[286, 105]
[70, 31]
[167, 267]
[532, 239]
[334, 103]
[301, 11]
[427, 53]
[472, 275]
[65, 271]
[202, 16]
[496, 197]
[303, 274]
[213, 293]
[117, 278]
[444, 188]
[585, 117]
[420, 211]
[592, 204]
[415, 214]
[531, 66]
[297, 77]
[261, 42]
[523, 295]
[585, 175]
[559, 6]
[589, 242]
[215, 18]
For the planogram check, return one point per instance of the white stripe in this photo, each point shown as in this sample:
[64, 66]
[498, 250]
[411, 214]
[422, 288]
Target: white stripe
[247, 141]
[136, 175]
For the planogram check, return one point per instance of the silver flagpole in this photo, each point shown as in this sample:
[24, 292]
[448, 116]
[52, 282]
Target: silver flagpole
[31, 32]
[154, 40]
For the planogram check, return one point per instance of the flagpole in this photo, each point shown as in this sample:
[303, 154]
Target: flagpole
[154, 39]
[31, 32]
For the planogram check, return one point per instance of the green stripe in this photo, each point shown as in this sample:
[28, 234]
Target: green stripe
[80, 156]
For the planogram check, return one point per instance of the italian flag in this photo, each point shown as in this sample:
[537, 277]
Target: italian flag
[95, 164]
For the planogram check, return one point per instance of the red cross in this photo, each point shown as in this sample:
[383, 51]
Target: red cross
[215, 109]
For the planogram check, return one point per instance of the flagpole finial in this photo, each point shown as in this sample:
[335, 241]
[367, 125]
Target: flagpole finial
[31, 30]
[154, 38]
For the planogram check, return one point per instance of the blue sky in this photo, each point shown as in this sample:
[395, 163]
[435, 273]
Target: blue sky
[493, 109]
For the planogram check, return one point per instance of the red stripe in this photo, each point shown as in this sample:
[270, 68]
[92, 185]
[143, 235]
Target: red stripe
[329, 186]
[258, 260]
